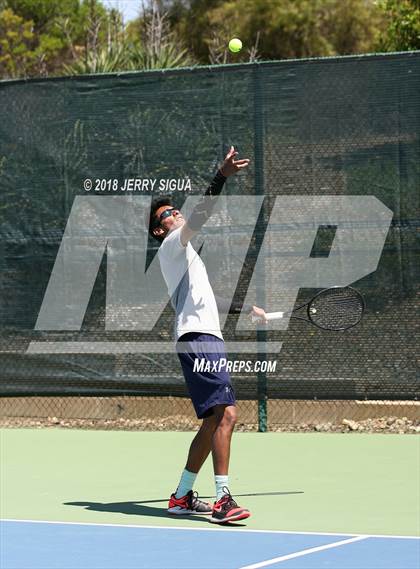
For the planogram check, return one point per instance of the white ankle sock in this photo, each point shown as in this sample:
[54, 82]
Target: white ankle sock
[221, 480]
[186, 483]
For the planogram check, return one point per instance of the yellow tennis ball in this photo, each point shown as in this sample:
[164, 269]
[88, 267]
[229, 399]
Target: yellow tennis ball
[235, 45]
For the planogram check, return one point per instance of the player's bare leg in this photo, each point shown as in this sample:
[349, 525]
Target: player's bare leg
[226, 419]
[184, 500]
[214, 435]
[202, 444]
[225, 508]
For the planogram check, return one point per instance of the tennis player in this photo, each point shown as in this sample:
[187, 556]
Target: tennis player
[198, 335]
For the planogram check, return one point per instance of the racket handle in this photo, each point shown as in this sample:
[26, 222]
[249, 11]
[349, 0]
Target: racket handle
[269, 316]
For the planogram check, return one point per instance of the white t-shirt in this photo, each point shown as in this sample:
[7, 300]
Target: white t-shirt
[189, 288]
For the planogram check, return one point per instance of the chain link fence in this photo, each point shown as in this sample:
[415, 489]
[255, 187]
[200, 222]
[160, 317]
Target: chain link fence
[177, 414]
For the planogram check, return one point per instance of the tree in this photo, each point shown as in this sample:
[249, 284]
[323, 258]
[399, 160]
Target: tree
[286, 28]
[44, 37]
[43, 13]
[17, 53]
[101, 47]
[62, 32]
[189, 20]
[148, 43]
[353, 26]
[48, 42]
[158, 46]
[402, 32]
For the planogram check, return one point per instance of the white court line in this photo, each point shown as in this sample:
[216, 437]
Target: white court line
[303, 552]
[236, 529]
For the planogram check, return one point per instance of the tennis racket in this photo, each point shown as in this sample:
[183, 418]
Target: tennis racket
[336, 308]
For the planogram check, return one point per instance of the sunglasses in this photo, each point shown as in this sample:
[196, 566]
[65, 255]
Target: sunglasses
[165, 214]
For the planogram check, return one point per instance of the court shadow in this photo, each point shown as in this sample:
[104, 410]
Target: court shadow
[211, 498]
[131, 509]
[139, 507]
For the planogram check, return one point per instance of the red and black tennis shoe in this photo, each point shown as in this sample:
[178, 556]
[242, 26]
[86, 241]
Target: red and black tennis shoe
[227, 510]
[188, 504]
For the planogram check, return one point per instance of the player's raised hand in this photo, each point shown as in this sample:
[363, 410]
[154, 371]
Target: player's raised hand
[230, 165]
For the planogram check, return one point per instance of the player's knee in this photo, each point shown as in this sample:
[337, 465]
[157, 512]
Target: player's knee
[229, 417]
[225, 415]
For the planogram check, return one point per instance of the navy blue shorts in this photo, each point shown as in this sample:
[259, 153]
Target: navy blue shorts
[209, 384]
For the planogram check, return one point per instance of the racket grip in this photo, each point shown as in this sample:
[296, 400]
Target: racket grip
[269, 316]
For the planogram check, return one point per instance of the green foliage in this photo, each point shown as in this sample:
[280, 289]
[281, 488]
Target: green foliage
[190, 21]
[64, 32]
[167, 56]
[105, 60]
[287, 28]
[50, 37]
[403, 25]
[16, 45]
[353, 26]
[149, 44]
[43, 13]
[158, 47]
[48, 42]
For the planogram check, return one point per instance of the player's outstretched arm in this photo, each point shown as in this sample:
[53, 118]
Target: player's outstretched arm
[259, 313]
[227, 306]
[204, 208]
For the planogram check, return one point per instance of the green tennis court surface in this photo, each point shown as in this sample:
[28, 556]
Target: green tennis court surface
[360, 485]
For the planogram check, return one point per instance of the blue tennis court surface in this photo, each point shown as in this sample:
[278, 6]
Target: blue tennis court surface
[56, 545]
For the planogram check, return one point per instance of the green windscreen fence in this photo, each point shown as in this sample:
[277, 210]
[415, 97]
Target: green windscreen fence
[313, 129]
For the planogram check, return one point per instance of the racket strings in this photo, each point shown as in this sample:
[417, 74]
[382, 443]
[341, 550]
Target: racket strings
[336, 309]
